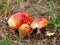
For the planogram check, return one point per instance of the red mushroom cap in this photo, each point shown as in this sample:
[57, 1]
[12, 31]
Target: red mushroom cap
[16, 20]
[39, 23]
[24, 29]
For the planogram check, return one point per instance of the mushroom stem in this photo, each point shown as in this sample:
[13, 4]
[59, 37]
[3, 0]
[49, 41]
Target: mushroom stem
[39, 32]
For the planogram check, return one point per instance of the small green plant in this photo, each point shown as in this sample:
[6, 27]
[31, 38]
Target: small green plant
[44, 41]
[50, 24]
[20, 38]
[58, 24]
[47, 41]
[53, 13]
[2, 5]
[35, 11]
[5, 41]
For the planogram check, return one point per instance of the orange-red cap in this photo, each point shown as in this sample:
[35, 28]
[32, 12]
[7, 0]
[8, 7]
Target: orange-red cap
[39, 23]
[24, 29]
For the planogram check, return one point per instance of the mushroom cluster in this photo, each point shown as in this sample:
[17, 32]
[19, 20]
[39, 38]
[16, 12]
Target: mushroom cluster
[39, 24]
[25, 24]
[16, 20]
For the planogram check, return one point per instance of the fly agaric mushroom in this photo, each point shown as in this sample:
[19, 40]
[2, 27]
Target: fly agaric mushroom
[39, 23]
[24, 29]
[16, 20]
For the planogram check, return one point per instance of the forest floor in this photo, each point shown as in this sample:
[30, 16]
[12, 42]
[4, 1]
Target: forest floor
[36, 9]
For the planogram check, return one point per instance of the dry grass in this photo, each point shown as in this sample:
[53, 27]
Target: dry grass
[36, 9]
